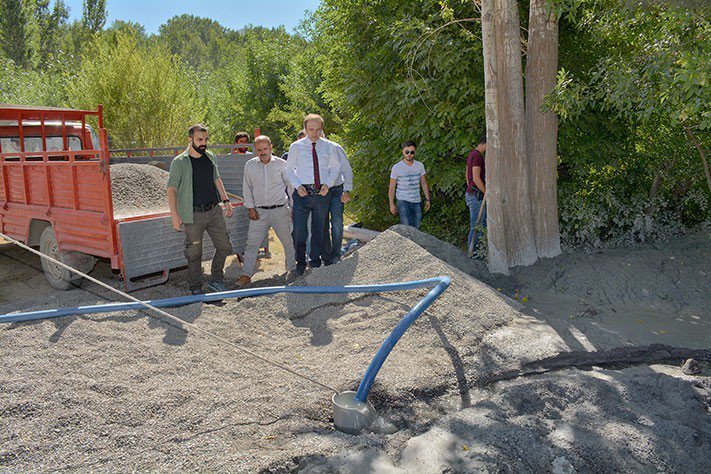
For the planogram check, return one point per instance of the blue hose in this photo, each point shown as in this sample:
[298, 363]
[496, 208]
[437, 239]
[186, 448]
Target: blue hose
[440, 285]
[402, 326]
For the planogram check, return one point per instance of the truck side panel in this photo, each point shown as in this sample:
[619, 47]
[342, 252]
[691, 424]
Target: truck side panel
[90, 190]
[62, 194]
[15, 188]
[152, 245]
[14, 224]
[76, 210]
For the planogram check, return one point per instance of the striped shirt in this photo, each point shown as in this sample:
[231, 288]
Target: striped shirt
[408, 180]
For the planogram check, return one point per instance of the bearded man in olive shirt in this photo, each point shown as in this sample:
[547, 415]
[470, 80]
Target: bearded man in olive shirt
[195, 191]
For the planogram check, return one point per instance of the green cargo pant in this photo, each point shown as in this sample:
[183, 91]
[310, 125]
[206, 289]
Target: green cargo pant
[213, 222]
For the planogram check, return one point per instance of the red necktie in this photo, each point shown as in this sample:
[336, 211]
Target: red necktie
[317, 177]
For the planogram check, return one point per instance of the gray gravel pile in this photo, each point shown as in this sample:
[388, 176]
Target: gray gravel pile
[138, 189]
[136, 394]
[142, 395]
[636, 419]
[669, 276]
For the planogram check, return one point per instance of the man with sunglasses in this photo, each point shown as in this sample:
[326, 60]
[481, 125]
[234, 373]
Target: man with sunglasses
[406, 177]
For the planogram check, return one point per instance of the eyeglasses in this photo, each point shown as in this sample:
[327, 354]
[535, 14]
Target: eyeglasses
[409, 152]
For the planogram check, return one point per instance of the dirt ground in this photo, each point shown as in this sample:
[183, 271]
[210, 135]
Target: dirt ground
[549, 369]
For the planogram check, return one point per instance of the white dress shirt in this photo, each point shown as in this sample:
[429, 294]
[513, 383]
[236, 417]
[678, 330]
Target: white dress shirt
[346, 176]
[300, 167]
[264, 185]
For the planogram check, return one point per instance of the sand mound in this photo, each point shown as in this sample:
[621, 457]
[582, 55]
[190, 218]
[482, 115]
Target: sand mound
[668, 276]
[137, 394]
[129, 389]
[138, 189]
[638, 419]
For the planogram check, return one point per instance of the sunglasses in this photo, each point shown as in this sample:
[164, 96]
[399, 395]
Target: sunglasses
[409, 152]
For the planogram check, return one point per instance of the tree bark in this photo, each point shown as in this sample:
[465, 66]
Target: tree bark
[510, 224]
[702, 155]
[542, 126]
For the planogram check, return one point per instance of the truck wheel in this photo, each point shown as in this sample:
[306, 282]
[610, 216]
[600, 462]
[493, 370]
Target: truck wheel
[59, 277]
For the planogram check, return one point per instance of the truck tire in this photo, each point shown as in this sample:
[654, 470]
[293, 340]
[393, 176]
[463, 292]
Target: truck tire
[59, 277]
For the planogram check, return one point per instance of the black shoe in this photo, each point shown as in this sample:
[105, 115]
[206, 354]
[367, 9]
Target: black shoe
[197, 291]
[216, 287]
[299, 270]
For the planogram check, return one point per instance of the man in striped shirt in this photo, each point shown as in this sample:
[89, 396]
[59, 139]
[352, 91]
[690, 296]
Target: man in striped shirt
[406, 177]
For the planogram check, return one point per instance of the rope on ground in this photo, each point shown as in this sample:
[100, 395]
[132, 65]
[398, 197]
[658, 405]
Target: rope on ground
[180, 322]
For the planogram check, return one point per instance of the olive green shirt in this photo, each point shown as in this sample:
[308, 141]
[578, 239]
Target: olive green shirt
[181, 178]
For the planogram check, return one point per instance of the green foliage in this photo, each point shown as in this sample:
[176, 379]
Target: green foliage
[200, 42]
[656, 64]
[27, 87]
[149, 96]
[632, 77]
[15, 31]
[394, 71]
[94, 15]
[303, 90]
[248, 90]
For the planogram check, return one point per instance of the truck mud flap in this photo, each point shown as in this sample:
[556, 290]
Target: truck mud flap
[150, 248]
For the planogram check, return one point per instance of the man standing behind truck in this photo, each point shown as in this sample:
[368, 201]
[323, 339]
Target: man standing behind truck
[241, 138]
[195, 191]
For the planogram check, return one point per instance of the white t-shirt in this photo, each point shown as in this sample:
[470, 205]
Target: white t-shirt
[408, 180]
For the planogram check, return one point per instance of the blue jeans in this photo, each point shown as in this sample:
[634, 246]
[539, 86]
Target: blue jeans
[410, 213]
[333, 240]
[317, 207]
[474, 205]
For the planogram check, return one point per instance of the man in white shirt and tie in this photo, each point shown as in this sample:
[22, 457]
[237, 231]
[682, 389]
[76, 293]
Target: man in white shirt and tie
[264, 184]
[313, 168]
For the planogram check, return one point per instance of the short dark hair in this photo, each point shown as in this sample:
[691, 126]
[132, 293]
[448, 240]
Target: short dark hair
[301, 134]
[198, 127]
[241, 135]
[482, 138]
[408, 143]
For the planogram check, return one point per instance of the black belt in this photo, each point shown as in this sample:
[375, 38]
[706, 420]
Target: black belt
[311, 189]
[204, 207]
[270, 207]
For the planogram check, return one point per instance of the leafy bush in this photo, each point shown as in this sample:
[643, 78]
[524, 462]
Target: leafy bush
[606, 220]
[149, 96]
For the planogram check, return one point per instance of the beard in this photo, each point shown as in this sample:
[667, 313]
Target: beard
[200, 149]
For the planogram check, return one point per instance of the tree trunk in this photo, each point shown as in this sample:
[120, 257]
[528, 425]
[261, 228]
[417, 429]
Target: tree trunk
[542, 126]
[510, 233]
[702, 155]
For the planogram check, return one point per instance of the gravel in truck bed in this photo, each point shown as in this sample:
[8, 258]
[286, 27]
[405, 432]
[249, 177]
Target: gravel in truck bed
[138, 189]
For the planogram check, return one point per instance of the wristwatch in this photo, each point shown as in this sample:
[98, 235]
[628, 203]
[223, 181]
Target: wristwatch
[225, 201]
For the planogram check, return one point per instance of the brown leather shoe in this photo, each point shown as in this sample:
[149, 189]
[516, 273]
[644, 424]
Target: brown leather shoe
[243, 280]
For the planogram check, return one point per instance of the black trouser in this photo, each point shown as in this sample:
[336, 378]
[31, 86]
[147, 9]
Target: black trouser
[213, 222]
[317, 206]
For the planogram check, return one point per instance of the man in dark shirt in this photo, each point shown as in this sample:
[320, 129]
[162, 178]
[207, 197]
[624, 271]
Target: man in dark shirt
[195, 191]
[476, 187]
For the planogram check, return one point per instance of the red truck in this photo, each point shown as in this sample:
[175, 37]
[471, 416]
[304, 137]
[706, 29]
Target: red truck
[55, 193]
